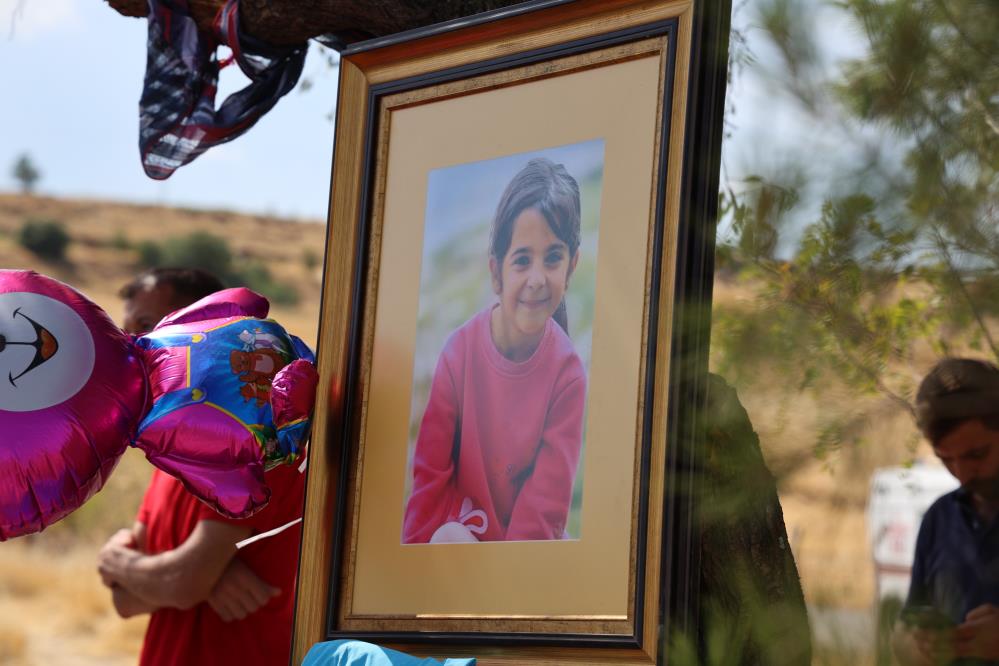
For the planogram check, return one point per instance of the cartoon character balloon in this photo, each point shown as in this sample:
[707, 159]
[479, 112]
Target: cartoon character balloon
[214, 395]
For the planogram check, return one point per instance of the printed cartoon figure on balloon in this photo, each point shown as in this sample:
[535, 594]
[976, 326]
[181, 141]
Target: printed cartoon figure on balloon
[256, 369]
[214, 395]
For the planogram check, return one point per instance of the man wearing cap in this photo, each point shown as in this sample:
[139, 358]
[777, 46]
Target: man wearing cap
[952, 612]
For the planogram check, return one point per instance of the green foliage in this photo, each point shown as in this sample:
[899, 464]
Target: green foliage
[757, 218]
[257, 277]
[199, 250]
[26, 173]
[887, 613]
[150, 254]
[906, 255]
[756, 635]
[120, 241]
[310, 259]
[47, 239]
[211, 253]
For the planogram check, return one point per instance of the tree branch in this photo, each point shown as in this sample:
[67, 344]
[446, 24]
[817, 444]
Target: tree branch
[989, 120]
[132, 8]
[956, 276]
[986, 52]
[286, 22]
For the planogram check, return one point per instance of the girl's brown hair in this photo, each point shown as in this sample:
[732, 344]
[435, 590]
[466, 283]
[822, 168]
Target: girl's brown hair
[548, 188]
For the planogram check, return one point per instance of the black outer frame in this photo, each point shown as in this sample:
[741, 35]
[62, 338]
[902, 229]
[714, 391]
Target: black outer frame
[679, 605]
[678, 602]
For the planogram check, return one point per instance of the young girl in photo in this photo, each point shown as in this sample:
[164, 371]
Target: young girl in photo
[498, 446]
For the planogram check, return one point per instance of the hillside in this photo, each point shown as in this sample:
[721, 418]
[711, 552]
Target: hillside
[103, 255]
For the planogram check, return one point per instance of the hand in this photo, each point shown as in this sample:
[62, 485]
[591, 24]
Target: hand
[123, 538]
[979, 635]
[239, 592]
[127, 604]
[111, 559]
[453, 532]
[922, 647]
[934, 646]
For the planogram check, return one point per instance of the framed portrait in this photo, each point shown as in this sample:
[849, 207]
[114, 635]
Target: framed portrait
[514, 323]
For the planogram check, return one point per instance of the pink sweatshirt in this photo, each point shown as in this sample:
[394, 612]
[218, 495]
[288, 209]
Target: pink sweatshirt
[500, 441]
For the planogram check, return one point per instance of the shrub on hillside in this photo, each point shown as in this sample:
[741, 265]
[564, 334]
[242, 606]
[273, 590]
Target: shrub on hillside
[310, 259]
[47, 239]
[199, 250]
[150, 254]
[257, 277]
[120, 241]
[211, 253]
[196, 250]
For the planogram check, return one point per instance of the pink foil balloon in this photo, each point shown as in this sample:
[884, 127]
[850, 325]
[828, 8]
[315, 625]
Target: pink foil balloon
[71, 391]
[214, 395]
[231, 396]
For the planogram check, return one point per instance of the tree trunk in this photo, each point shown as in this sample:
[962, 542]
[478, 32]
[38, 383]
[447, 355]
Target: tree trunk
[751, 596]
[284, 22]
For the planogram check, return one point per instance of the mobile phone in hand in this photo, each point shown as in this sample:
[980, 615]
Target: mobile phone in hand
[925, 617]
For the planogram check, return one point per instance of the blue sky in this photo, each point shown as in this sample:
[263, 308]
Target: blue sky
[769, 133]
[71, 72]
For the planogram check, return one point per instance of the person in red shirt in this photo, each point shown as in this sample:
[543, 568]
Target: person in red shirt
[500, 440]
[210, 603]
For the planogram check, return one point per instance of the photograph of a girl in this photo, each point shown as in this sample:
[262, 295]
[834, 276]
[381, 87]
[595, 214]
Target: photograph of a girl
[503, 348]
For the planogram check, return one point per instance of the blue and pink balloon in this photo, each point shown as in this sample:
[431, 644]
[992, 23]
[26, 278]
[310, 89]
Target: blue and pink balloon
[214, 395]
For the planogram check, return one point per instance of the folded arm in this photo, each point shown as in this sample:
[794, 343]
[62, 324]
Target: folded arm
[125, 603]
[239, 592]
[178, 578]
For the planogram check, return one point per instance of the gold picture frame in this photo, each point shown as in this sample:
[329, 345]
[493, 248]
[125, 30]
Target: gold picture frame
[635, 87]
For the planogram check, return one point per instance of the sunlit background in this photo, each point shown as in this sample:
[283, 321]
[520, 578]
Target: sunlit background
[858, 244]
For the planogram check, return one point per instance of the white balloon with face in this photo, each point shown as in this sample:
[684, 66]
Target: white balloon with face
[46, 352]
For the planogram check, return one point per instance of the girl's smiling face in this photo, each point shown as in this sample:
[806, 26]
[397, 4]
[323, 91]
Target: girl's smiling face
[530, 283]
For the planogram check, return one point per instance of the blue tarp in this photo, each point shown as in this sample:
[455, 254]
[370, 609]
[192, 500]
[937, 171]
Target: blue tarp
[358, 653]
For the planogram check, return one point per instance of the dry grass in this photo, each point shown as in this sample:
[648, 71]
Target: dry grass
[55, 610]
[824, 499]
[13, 646]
